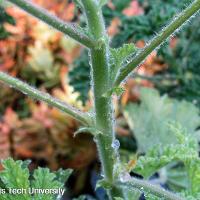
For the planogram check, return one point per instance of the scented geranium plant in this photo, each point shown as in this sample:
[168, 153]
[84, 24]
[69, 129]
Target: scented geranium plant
[110, 67]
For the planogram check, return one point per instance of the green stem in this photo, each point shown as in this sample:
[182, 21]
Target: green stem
[183, 17]
[101, 83]
[72, 30]
[42, 96]
[150, 188]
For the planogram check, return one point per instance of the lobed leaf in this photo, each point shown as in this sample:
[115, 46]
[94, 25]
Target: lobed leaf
[15, 175]
[44, 179]
[149, 120]
[118, 55]
[185, 151]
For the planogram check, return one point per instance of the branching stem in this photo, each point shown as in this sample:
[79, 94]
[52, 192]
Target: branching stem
[101, 83]
[136, 60]
[100, 69]
[42, 96]
[150, 188]
[72, 30]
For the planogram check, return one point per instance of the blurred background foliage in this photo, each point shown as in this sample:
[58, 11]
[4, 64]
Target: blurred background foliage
[46, 59]
[180, 78]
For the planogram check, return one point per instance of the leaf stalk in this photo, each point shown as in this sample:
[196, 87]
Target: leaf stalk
[158, 40]
[145, 186]
[72, 30]
[42, 96]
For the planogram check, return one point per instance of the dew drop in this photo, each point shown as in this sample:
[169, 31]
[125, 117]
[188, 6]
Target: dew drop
[115, 144]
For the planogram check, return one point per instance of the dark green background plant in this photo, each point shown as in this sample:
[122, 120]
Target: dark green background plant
[181, 79]
[5, 18]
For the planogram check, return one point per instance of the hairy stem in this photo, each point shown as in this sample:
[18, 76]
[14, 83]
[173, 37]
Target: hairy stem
[72, 30]
[150, 188]
[101, 84]
[136, 60]
[42, 96]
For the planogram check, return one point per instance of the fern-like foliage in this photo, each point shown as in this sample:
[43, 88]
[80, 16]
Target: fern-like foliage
[5, 18]
[156, 14]
[184, 66]
[79, 76]
[16, 175]
[185, 151]
[183, 60]
[118, 55]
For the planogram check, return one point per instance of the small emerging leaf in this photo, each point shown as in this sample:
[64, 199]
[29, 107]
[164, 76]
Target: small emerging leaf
[91, 130]
[119, 55]
[116, 91]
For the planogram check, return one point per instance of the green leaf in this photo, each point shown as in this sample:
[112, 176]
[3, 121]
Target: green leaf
[103, 184]
[3, 33]
[119, 55]
[44, 179]
[16, 175]
[160, 156]
[185, 151]
[4, 17]
[193, 169]
[90, 130]
[25, 164]
[5, 197]
[116, 91]
[63, 175]
[176, 176]
[190, 197]
[131, 193]
[152, 197]
[149, 120]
